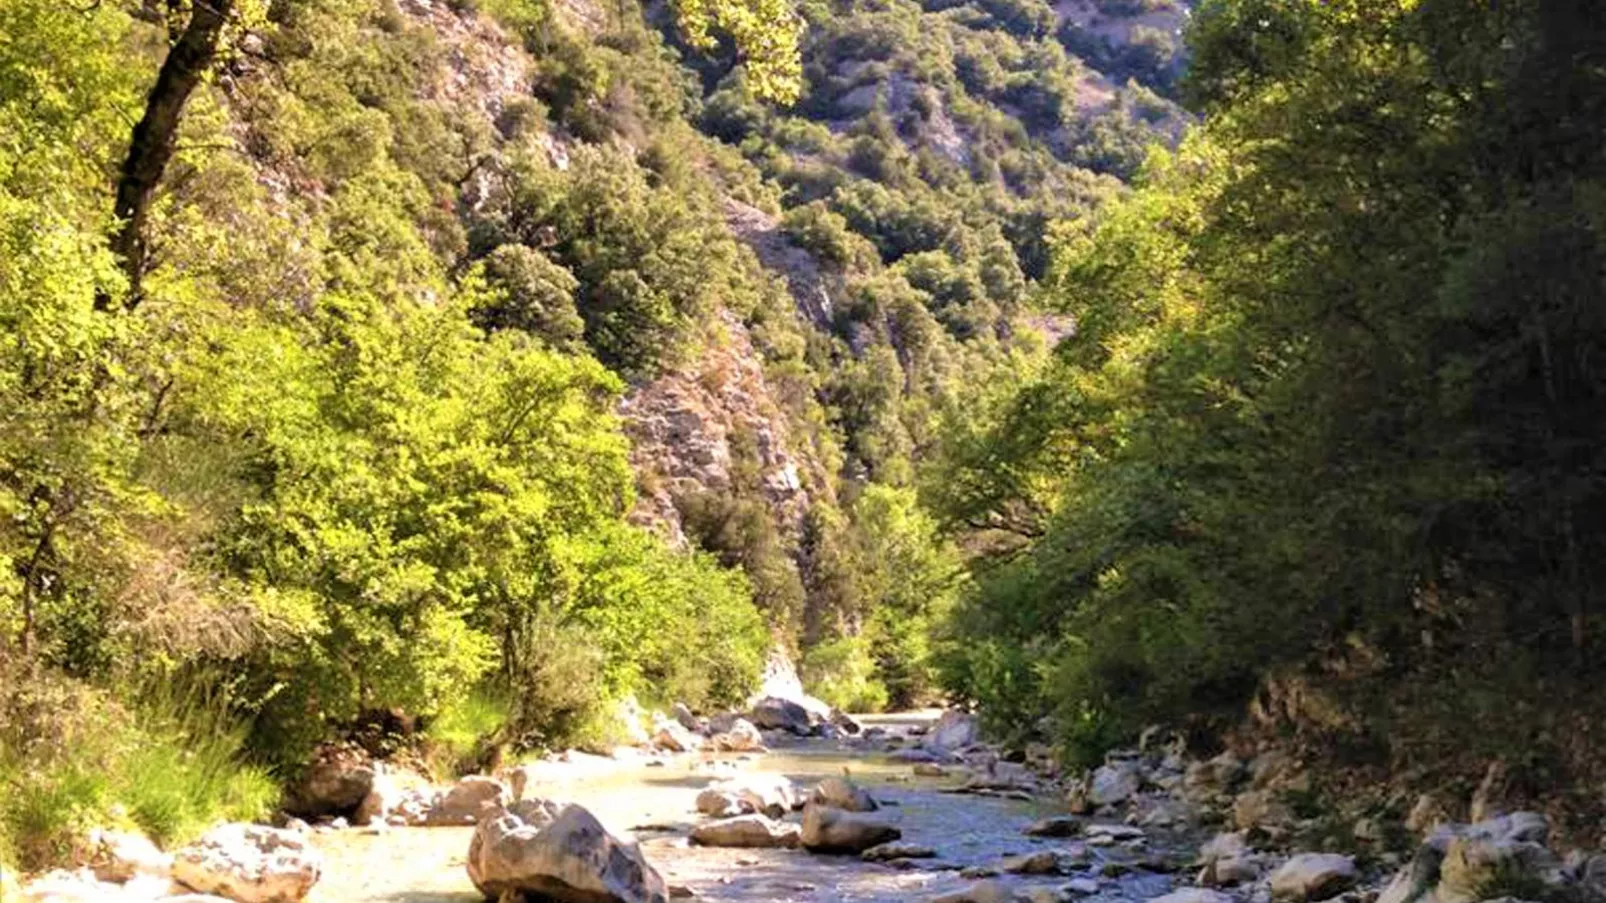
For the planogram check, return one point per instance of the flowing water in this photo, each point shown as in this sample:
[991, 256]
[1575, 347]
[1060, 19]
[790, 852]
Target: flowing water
[655, 804]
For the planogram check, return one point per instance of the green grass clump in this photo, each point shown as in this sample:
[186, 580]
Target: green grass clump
[169, 766]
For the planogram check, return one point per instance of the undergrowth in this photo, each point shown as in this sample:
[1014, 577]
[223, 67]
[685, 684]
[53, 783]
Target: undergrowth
[72, 760]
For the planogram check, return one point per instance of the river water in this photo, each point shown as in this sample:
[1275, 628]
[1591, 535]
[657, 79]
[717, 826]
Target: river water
[655, 804]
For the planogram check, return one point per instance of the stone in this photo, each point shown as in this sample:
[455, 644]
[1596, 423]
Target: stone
[335, 782]
[1193, 895]
[981, 892]
[1314, 876]
[686, 719]
[751, 830]
[742, 736]
[846, 723]
[1054, 826]
[1115, 783]
[1042, 862]
[672, 736]
[468, 801]
[1230, 872]
[573, 859]
[1113, 832]
[1260, 809]
[718, 803]
[1481, 867]
[62, 886]
[777, 714]
[1218, 775]
[1226, 845]
[1082, 886]
[771, 794]
[250, 864]
[953, 730]
[120, 856]
[841, 793]
[886, 852]
[828, 830]
[401, 793]
[1426, 814]
[929, 770]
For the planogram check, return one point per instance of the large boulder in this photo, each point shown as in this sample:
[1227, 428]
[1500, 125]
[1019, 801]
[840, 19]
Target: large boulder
[471, 799]
[829, 830]
[776, 714]
[751, 830]
[333, 783]
[842, 793]
[249, 864]
[573, 859]
[953, 730]
[1313, 876]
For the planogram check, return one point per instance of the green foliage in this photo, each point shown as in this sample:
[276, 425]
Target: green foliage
[842, 673]
[74, 761]
[537, 297]
[1323, 431]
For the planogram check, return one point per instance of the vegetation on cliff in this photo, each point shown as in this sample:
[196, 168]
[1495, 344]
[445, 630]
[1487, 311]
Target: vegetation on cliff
[1326, 445]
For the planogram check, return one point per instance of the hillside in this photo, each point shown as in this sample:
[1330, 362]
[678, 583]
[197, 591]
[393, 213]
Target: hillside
[473, 368]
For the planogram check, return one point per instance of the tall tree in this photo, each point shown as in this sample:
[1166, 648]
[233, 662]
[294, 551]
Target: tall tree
[194, 48]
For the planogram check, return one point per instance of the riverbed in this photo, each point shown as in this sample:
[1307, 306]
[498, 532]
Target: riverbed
[654, 804]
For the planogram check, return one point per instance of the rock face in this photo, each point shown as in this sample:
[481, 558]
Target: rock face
[1313, 876]
[571, 860]
[828, 830]
[335, 783]
[776, 714]
[954, 730]
[1499, 857]
[840, 793]
[746, 831]
[249, 864]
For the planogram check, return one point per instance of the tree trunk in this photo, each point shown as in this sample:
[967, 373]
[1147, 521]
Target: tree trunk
[156, 136]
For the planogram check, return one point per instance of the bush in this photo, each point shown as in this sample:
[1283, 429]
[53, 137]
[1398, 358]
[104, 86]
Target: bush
[842, 673]
[71, 760]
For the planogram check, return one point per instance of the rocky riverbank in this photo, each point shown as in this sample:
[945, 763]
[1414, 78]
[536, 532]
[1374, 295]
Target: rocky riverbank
[925, 811]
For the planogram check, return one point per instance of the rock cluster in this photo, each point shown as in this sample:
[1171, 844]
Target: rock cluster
[234, 862]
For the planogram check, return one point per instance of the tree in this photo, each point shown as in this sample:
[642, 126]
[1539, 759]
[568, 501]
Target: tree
[189, 59]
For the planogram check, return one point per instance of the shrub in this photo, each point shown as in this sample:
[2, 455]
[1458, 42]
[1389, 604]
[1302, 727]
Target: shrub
[71, 759]
[842, 673]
